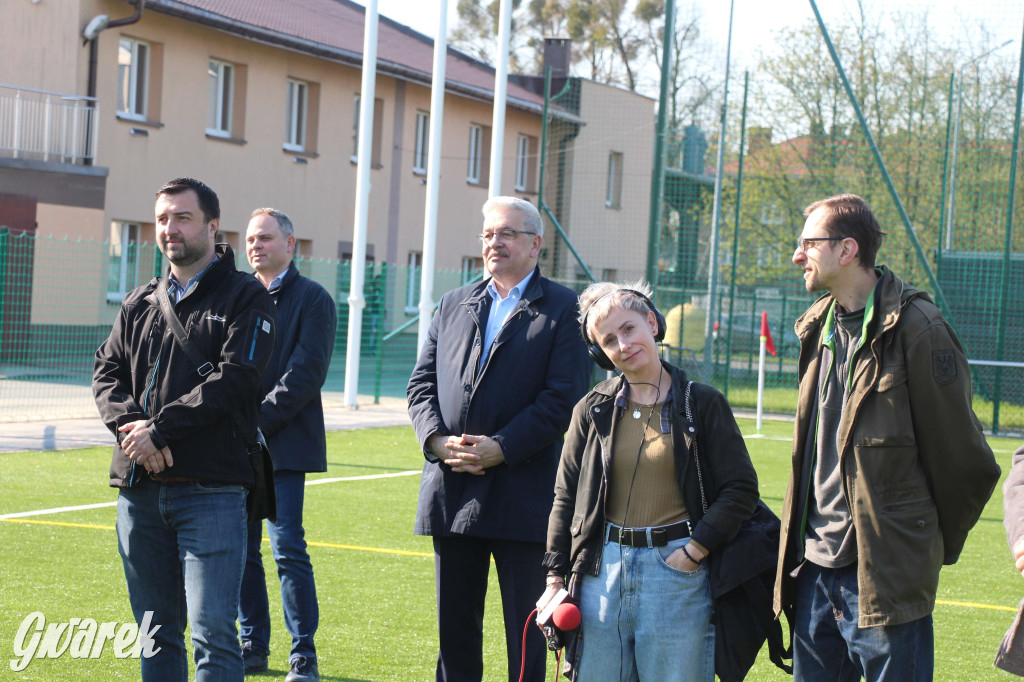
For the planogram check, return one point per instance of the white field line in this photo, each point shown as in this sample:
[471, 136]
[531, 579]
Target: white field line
[82, 507]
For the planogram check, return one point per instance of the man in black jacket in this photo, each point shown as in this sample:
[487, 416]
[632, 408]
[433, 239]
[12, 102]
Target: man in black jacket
[292, 419]
[490, 399]
[183, 435]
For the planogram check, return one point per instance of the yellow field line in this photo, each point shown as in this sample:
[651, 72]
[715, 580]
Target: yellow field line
[311, 543]
[975, 605]
[405, 552]
[379, 550]
[59, 523]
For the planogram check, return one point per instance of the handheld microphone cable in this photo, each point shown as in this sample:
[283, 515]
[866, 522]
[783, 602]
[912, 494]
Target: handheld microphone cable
[522, 651]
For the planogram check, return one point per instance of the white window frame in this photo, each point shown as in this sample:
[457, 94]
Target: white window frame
[613, 194]
[124, 241]
[412, 293]
[522, 163]
[220, 107]
[296, 113]
[422, 149]
[133, 79]
[476, 138]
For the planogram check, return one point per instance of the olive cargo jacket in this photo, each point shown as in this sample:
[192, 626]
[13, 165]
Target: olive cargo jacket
[917, 470]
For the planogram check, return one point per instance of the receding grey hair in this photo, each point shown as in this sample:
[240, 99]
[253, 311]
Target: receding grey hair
[284, 221]
[531, 216]
[598, 299]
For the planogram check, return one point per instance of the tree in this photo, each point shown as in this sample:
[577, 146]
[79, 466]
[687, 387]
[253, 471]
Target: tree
[900, 75]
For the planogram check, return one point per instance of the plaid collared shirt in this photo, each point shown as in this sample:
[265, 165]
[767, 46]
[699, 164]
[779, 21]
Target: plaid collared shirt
[622, 400]
[176, 290]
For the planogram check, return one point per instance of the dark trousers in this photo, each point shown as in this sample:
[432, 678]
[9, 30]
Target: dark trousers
[461, 566]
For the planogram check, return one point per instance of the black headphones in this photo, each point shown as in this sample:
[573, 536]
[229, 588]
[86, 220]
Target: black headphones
[594, 349]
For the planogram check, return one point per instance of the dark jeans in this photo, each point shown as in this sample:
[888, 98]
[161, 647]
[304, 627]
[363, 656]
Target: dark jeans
[294, 569]
[828, 645]
[183, 547]
[462, 564]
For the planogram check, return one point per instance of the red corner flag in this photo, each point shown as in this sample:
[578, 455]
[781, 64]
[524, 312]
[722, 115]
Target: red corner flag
[766, 333]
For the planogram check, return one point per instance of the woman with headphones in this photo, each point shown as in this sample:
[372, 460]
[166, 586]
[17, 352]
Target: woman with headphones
[634, 518]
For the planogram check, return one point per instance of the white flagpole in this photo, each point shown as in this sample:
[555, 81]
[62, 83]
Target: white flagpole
[433, 177]
[760, 381]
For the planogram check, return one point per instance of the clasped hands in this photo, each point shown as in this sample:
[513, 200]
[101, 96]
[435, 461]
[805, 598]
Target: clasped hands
[467, 453]
[138, 446]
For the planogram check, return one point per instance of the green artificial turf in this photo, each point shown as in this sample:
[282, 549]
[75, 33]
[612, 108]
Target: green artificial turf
[374, 577]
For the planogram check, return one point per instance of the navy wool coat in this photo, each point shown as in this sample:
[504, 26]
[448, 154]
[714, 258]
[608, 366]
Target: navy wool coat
[523, 396]
[292, 413]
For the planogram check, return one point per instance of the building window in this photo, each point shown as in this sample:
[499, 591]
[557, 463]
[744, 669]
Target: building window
[132, 78]
[419, 155]
[295, 116]
[123, 264]
[412, 293]
[220, 84]
[477, 170]
[526, 163]
[609, 275]
[378, 128]
[476, 136]
[613, 197]
[471, 269]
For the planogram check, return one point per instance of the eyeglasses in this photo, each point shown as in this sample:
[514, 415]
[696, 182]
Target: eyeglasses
[804, 243]
[505, 235]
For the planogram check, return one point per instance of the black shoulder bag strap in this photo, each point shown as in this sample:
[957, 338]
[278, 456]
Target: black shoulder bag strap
[203, 367]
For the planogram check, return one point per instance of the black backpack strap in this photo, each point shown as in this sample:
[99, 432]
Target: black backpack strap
[777, 650]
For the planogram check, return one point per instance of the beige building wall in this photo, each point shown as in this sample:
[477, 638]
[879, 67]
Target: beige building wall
[42, 48]
[612, 236]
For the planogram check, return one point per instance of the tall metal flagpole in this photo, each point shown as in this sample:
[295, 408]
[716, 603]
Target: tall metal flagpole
[356, 300]
[500, 95]
[433, 176]
[716, 214]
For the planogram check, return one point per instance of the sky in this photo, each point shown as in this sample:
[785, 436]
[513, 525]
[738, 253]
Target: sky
[756, 21]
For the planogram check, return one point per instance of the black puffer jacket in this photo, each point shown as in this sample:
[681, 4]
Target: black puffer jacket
[576, 525]
[141, 372]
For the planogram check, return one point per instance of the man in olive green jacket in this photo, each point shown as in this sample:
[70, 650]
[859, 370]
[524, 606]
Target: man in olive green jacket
[890, 465]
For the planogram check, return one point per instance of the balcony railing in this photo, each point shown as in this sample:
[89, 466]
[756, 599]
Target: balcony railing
[47, 126]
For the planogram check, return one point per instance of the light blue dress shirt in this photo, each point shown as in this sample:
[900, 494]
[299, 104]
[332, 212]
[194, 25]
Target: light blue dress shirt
[501, 308]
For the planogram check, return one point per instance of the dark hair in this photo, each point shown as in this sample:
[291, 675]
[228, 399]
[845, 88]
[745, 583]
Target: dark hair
[209, 204]
[847, 215]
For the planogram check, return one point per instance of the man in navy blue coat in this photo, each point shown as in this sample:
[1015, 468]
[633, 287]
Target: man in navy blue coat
[490, 399]
[292, 419]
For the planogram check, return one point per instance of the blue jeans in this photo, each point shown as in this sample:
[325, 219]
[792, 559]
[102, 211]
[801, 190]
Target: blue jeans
[828, 645]
[298, 591]
[183, 548]
[643, 619]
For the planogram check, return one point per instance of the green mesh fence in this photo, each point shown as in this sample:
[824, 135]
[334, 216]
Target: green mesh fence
[936, 85]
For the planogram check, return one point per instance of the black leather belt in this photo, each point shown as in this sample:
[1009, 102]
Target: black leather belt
[659, 536]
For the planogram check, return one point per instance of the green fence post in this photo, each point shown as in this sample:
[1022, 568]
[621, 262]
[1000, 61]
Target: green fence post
[4, 236]
[945, 173]
[1005, 274]
[736, 229]
[381, 302]
[658, 173]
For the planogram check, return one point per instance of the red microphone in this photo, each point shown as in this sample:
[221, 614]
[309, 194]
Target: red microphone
[566, 617]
